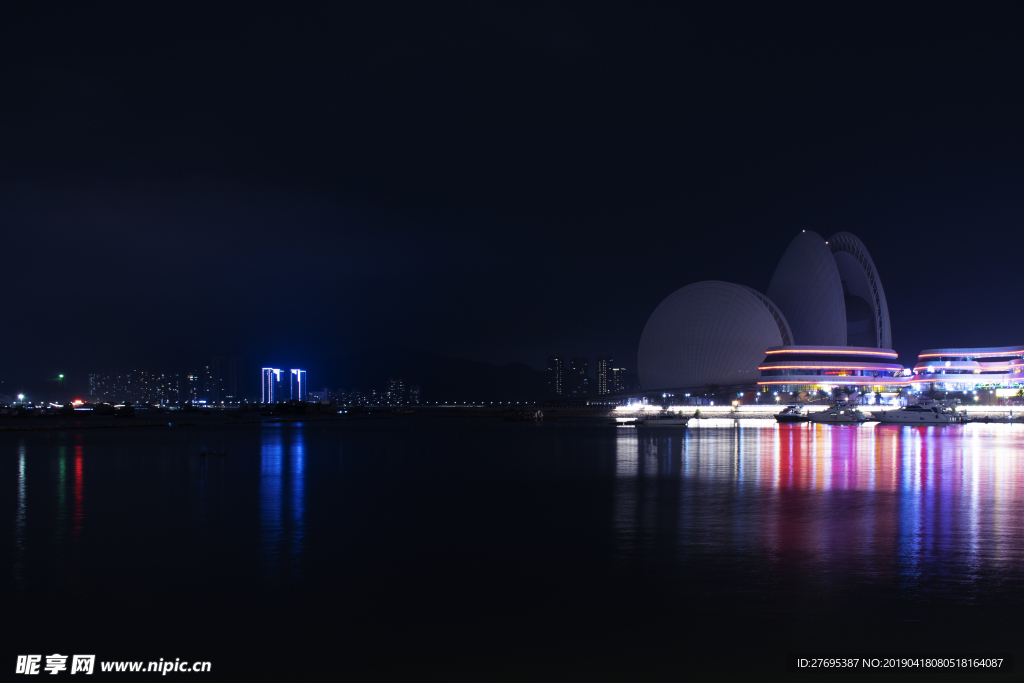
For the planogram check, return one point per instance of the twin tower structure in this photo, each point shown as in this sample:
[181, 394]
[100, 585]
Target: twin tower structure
[823, 321]
[277, 389]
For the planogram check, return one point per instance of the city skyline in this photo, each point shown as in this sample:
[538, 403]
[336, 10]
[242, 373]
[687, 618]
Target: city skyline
[433, 255]
[511, 340]
[222, 380]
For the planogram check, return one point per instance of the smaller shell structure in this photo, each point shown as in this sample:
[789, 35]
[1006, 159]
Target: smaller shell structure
[809, 292]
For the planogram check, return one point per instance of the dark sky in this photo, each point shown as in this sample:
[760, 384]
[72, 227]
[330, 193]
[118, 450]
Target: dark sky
[495, 181]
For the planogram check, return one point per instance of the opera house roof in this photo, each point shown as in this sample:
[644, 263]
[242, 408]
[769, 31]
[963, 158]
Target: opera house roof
[824, 294]
[807, 287]
[709, 332]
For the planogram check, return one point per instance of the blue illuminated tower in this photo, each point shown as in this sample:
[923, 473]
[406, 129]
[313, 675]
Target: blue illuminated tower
[298, 392]
[270, 379]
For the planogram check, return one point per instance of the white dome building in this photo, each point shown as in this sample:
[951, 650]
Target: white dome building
[710, 333]
[809, 292]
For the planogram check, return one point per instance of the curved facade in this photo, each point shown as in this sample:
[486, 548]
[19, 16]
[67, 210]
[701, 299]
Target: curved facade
[967, 369]
[709, 333]
[867, 313]
[807, 288]
[809, 367]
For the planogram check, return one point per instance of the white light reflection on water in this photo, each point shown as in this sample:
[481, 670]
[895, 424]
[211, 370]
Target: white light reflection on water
[877, 499]
[20, 519]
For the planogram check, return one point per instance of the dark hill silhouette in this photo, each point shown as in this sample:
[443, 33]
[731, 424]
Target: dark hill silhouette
[439, 378]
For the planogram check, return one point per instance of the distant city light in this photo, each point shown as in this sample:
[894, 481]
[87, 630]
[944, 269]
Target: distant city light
[21, 397]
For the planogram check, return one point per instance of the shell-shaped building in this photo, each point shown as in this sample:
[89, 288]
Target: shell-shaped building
[809, 290]
[709, 333]
[823, 297]
[867, 313]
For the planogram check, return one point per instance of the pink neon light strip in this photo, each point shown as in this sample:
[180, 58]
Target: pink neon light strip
[972, 355]
[887, 354]
[826, 367]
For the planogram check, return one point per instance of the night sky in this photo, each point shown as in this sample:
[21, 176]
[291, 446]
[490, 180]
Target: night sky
[493, 181]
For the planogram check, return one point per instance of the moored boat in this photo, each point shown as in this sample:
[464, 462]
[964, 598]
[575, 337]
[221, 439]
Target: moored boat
[666, 421]
[791, 414]
[840, 414]
[934, 412]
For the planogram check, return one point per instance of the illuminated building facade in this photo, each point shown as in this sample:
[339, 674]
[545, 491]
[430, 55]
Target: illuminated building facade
[808, 368]
[271, 380]
[603, 366]
[298, 385]
[968, 369]
[395, 394]
[618, 380]
[193, 389]
[556, 375]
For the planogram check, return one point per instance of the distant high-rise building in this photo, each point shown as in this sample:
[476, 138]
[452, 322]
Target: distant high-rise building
[193, 387]
[298, 385]
[209, 388]
[99, 387]
[632, 381]
[603, 365]
[556, 372]
[617, 380]
[325, 394]
[579, 376]
[414, 394]
[395, 395]
[271, 383]
[168, 389]
[136, 387]
[224, 380]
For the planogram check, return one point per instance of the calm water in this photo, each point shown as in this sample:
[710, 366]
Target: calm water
[475, 548]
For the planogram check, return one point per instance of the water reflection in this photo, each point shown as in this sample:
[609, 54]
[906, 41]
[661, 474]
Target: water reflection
[282, 522]
[298, 474]
[270, 499]
[881, 500]
[78, 516]
[20, 520]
